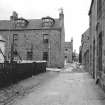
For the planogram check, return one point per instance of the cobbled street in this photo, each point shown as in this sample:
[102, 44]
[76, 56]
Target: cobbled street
[70, 86]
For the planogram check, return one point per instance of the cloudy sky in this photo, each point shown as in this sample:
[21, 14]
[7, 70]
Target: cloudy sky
[75, 11]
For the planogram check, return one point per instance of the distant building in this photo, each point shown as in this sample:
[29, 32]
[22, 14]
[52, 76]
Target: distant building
[69, 51]
[35, 39]
[85, 49]
[75, 56]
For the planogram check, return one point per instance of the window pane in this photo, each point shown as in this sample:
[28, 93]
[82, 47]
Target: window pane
[45, 56]
[29, 55]
[15, 36]
[45, 38]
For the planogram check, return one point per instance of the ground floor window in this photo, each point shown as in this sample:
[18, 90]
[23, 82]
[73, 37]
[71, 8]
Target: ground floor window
[45, 56]
[29, 55]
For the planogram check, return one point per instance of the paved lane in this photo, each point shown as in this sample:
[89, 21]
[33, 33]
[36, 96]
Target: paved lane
[64, 89]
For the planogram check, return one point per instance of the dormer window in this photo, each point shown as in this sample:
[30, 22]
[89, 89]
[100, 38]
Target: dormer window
[47, 21]
[21, 22]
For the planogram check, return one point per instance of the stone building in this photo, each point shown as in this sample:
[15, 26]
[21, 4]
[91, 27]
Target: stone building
[97, 41]
[34, 39]
[93, 38]
[85, 49]
[69, 51]
[75, 56]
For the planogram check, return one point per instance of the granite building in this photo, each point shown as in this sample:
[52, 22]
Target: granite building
[85, 49]
[34, 39]
[97, 41]
[93, 39]
[69, 51]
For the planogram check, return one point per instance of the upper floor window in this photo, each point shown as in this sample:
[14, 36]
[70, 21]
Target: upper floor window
[45, 38]
[15, 52]
[99, 8]
[15, 36]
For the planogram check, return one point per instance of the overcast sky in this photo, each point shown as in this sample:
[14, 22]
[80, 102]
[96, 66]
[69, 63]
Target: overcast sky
[75, 12]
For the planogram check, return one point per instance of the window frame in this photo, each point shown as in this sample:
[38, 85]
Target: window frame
[29, 55]
[45, 56]
[45, 38]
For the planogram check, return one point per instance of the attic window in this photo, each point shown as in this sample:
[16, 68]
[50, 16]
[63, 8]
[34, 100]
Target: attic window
[20, 22]
[48, 21]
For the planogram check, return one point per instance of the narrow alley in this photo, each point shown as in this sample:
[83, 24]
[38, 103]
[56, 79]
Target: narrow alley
[60, 88]
[52, 53]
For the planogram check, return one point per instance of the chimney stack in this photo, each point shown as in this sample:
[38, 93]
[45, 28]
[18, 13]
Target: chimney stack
[14, 16]
[61, 14]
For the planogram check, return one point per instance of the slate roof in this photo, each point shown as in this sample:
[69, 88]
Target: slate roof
[33, 24]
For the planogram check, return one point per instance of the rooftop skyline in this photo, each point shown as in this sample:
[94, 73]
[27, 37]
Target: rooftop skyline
[75, 14]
